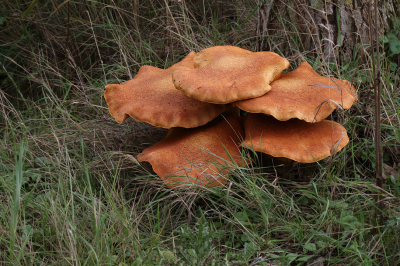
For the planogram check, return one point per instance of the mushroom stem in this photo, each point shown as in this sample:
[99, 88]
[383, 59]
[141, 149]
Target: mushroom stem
[232, 109]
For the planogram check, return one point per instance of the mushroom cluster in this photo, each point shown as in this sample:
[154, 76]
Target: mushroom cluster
[198, 100]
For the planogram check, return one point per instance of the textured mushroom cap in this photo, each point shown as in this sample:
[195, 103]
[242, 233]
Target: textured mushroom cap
[152, 97]
[302, 94]
[224, 74]
[294, 139]
[197, 155]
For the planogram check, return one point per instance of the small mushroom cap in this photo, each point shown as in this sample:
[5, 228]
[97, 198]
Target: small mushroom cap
[152, 97]
[197, 155]
[224, 74]
[302, 94]
[294, 139]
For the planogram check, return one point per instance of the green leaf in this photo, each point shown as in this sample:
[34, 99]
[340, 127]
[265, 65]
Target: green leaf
[310, 247]
[168, 255]
[218, 235]
[351, 222]
[395, 47]
[27, 231]
[339, 204]
[305, 258]
[322, 244]
[244, 238]
[273, 256]
[291, 257]
[391, 36]
[137, 262]
[242, 217]
[192, 252]
[349, 219]
[344, 68]
[396, 24]
[114, 259]
[383, 39]
[392, 66]
[397, 134]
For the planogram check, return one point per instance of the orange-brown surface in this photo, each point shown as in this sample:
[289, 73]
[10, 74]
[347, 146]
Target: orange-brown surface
[224, 74]
[197, 155]
[294, 139]
[302, 94]
[152, 97]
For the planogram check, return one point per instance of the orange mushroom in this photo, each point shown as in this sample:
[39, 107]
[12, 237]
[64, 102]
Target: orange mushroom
[198, 151]
[302, 94]
[293, 139]
[224, 74]
[151, 97]
[201, 156]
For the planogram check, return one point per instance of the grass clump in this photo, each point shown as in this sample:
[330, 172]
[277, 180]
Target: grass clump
[72, 191]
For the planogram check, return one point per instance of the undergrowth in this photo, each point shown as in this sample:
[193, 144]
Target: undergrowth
[73, 193]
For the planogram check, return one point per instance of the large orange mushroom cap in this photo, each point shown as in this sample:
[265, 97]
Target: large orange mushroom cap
[152, 97]
[302, 94]
[294, 139]
[224, 74]
[197, 155]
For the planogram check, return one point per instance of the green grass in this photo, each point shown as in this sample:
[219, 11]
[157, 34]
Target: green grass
[73, 193]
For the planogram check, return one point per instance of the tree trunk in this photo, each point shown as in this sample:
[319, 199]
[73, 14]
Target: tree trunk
[264, 11]
[331, 28]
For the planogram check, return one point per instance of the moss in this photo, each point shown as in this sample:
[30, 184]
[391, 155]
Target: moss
[318, 4]
[346, 3]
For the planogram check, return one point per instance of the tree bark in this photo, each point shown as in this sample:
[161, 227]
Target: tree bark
[264, 10]
[328, 27]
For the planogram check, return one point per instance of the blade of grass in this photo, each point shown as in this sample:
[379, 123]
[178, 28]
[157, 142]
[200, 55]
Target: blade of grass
[30, 8]
[16, 198]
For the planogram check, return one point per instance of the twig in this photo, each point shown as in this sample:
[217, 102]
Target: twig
[67, 50]
[377, 92]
